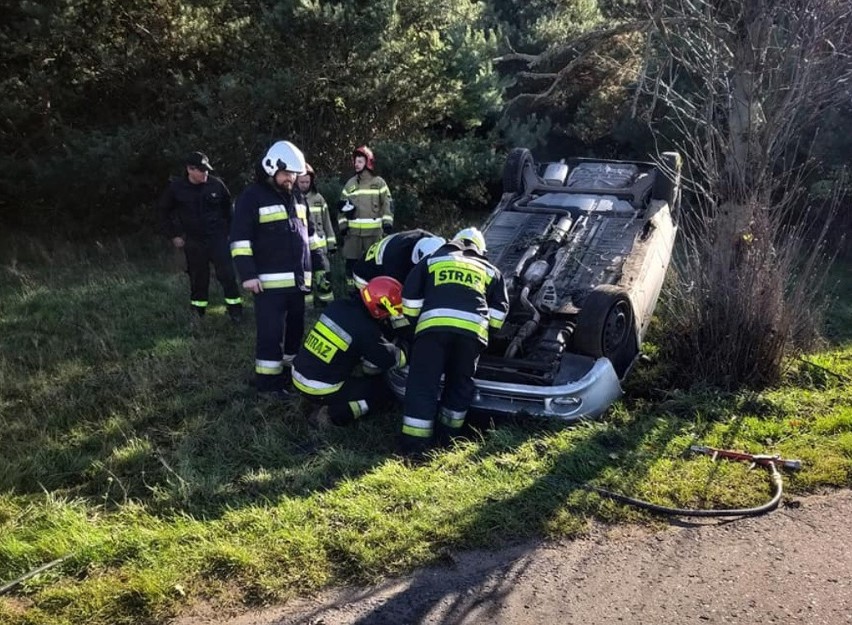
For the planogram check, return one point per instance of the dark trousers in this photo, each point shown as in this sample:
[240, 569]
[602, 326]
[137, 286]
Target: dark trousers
[200, 253]
[350, 279]
[433, 354]
[357, 397]
[279, 315]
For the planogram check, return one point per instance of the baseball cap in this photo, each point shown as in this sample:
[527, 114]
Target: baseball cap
[199, 160]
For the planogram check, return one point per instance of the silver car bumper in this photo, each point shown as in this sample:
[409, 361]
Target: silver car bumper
[588, 397]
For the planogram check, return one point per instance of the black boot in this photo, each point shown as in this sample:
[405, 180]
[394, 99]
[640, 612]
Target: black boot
[236, 314]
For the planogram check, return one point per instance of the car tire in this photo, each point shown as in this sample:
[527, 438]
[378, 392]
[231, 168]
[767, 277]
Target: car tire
[513, 171]
[604, 326]
[665, 188]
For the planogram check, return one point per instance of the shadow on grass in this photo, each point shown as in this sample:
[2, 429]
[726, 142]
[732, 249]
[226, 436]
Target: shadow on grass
[557, 502]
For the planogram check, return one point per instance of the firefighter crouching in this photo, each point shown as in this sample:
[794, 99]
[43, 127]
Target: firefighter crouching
[455, 296]
[270, 245]
[324, 243]
[364, 211]
[347, 340]
[395, 256]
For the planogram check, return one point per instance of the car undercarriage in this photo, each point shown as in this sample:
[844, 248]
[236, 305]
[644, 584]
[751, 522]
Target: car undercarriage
[583, 246]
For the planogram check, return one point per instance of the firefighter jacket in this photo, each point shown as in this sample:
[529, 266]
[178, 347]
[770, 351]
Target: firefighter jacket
[270, 238]
[371, 199]
[344, 338]
[389, 257]
[456, 290]
[321, 219]
[195, 211]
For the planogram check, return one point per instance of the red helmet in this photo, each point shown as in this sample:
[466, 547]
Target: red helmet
[366, 153]
[383, 297]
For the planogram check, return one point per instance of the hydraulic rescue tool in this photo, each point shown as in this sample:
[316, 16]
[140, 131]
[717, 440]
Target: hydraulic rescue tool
[764, 460]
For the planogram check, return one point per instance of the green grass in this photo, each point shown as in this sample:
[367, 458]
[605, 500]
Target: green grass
[132, 446]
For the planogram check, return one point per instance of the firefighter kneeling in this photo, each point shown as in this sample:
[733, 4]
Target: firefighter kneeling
[347, 340]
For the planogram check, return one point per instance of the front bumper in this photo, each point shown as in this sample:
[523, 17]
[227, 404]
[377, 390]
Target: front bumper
[588, 397]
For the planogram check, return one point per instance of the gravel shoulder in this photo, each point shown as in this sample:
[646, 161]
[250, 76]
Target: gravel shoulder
[793, 565]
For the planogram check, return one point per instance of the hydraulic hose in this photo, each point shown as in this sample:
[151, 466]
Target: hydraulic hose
[777, 485]
[772, 504]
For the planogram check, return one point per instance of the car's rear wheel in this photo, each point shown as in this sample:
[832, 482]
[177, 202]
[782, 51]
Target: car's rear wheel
[604, 326]
[668, 188]
[513, 171]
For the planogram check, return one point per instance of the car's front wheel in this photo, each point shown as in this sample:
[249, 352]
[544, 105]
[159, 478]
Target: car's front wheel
[605, 326]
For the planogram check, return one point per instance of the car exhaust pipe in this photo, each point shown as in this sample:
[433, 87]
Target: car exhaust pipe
[528, 328]
[532, 279]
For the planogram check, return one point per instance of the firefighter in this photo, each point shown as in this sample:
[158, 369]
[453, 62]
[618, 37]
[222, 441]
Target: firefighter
[324, 243]
[454, 297]
[395, 256]
[196, 215]
[365, 210]
[341, 361]
[270, 245]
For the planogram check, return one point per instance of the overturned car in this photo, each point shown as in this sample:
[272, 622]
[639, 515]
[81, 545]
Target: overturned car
[584, 246]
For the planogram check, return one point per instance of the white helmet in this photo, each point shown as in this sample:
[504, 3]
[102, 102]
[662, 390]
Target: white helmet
[472, 236]
[285, 156]
[424, 247]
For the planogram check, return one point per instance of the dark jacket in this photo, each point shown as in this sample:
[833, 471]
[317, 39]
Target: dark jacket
[343, 338]
[390, 256]
[269, 238]
[195, 211]
[455, 290]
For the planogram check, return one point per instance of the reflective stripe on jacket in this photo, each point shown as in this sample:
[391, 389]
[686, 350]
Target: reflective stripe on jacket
[321, 218]
[372, 200]
[456, 290]
[270, 236]
[389, 257]
[343, 338]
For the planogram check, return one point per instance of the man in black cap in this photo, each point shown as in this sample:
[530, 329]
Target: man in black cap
[196, 213]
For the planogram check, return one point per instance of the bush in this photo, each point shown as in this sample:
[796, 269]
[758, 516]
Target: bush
[744, 298]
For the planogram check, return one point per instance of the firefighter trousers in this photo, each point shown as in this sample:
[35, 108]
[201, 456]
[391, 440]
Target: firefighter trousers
[200, 254]
[279, 315]
[355, 246]
[357, 397]
[435, 353]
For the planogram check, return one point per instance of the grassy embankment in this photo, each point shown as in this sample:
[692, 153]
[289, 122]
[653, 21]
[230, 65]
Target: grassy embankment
[132, 447]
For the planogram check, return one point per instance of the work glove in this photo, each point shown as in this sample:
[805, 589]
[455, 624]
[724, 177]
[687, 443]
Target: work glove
[347, 206]
[387, 228]
[343, 229]
[398, 322]
[369, 368]
[402, 355]
[322, 282]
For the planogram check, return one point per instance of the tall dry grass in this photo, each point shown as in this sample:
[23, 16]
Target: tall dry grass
[747, 292]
